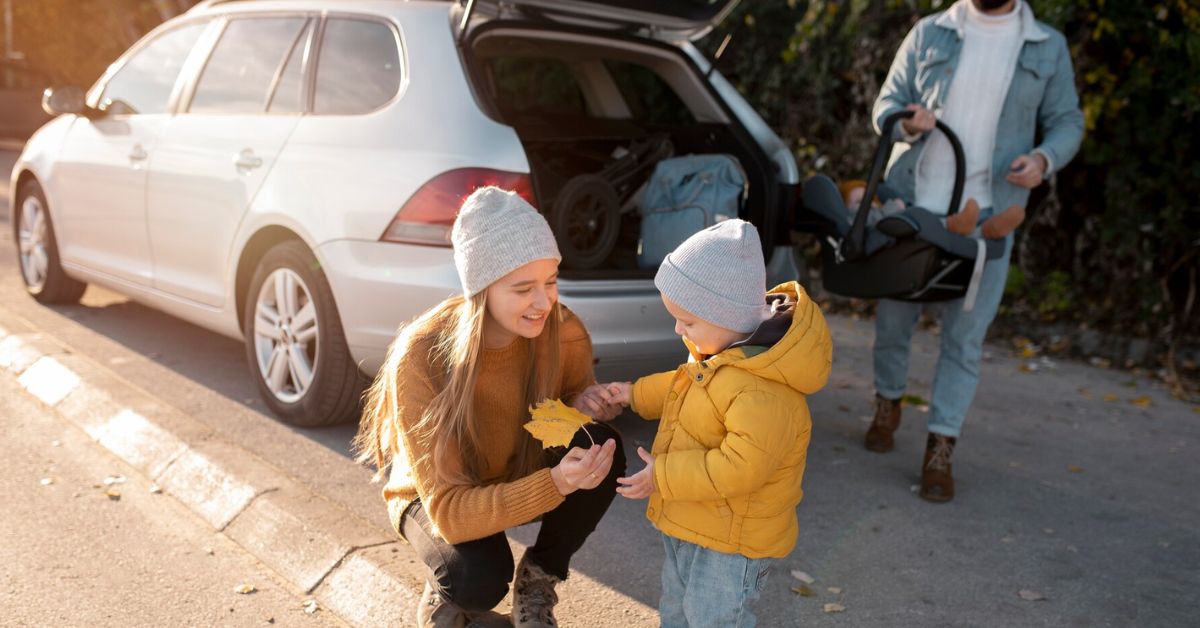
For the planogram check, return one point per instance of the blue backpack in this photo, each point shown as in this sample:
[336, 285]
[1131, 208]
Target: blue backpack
[684, 195]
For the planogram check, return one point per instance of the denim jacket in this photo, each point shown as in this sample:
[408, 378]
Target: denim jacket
[1041, 97]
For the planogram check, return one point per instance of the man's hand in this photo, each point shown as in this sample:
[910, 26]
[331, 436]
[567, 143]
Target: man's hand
[1027, 171]
[923, 121]
[640, 484]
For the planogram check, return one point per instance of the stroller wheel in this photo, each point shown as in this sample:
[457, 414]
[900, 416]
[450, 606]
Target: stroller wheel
[585, 219]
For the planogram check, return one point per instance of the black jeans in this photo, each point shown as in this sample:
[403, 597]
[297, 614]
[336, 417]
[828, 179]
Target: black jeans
[475, 575]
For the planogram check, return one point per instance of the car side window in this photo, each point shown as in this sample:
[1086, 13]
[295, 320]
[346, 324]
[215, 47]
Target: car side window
[288, 93]
[528, 85]
[648, 96]
[144, 84]
[359, 69]
[245, 64]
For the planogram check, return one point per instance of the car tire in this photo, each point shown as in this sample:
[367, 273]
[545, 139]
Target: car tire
[37, 250]
[297, 350]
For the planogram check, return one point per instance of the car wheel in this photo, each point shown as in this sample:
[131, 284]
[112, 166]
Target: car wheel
[37, 250]
[586, 221]
[294, 341]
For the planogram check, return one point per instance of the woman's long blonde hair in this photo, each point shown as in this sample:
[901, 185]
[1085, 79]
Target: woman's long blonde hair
[447, 433]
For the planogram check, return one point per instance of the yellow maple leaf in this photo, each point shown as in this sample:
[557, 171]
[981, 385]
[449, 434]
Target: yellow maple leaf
[555, 423]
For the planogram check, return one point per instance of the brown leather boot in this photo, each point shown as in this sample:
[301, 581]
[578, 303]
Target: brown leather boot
[887, 419]
[937, 484]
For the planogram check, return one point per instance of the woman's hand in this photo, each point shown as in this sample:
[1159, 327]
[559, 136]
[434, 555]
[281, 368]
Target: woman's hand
[640, 484]
[583, 468]
[597, 402]
[923, 121]
[1027, 171]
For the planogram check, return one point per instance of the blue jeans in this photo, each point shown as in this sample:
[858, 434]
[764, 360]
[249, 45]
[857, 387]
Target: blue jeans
[957, 372]
[703, 587]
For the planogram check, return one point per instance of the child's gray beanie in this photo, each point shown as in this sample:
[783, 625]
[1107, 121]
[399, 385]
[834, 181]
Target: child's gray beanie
[718, 275]
[497, 232]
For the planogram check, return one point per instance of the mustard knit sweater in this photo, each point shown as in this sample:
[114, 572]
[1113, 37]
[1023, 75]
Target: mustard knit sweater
[462, 513]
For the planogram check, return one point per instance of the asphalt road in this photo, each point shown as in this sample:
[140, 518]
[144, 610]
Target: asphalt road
[86, 542]
[1075, 483]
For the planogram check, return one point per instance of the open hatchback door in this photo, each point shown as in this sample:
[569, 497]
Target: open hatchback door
[669, 20]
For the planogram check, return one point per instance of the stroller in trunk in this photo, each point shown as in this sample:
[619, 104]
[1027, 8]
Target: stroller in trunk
[907, 256]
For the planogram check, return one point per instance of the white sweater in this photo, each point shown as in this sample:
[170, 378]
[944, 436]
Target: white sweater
[990, 47]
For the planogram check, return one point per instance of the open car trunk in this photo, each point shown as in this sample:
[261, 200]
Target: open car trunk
[595, 114]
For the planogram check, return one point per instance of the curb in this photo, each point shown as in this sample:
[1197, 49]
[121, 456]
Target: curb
[355, 569]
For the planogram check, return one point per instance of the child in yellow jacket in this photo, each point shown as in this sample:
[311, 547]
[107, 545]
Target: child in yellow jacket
[724, 473]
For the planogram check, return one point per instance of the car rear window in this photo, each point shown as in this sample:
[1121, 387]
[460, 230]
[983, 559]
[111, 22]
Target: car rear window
[359, 69]
[246, 64]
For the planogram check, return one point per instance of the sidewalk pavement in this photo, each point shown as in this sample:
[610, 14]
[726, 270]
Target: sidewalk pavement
[1076, 506]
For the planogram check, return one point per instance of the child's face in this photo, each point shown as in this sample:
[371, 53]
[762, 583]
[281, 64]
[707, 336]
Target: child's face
[519, 302]
[708, 338]
[855, 197]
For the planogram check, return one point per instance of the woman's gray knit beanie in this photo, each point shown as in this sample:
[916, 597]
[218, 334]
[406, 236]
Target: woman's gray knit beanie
[497, 232]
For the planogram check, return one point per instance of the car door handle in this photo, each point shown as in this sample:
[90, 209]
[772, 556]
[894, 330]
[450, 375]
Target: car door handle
[138, 154]
[246, 161]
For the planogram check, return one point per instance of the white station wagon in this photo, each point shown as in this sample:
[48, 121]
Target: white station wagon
[287, 171]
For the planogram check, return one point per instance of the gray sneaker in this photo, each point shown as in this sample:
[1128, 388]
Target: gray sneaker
[433, 611]
[534, 597]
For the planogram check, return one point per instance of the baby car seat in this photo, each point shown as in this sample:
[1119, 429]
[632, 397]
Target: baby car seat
[908, 256]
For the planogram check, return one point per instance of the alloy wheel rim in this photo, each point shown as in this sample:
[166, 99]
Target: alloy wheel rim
[32, 243]
[286, 332]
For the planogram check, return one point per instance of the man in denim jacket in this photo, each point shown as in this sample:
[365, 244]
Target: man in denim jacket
[1000, 79]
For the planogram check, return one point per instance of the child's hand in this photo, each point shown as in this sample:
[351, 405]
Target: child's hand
[597, 402]
[622, 392]
[640, 484]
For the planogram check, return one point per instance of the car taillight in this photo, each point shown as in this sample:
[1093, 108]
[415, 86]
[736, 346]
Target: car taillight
[429, 214]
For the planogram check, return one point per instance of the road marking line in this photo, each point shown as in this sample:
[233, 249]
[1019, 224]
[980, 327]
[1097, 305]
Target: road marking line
[49, 380]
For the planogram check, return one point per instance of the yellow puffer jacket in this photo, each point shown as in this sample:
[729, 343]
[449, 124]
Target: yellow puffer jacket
[733, 434]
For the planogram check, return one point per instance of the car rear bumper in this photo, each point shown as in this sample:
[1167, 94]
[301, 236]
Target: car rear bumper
[379, 286]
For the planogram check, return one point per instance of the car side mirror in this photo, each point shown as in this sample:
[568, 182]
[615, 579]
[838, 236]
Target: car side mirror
[59, 100]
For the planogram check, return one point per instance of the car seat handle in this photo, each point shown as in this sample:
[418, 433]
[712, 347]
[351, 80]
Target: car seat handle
[854, 244]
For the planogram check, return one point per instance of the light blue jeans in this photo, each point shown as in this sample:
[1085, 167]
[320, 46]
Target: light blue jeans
[957, 372]
[703, 588]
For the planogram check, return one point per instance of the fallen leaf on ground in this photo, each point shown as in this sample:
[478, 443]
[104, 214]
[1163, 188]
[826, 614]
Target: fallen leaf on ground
[1020, 342]
[834, 590]
[1100, 362]
[1109, 397]
[803, 577]
[114, 479]
[245, 589]
[803, 591]
[47, 481]
[833, 607]
[1030, 596]
[1074, 468]
[113, 494]
[155, 489]
[1030, 351]
[555, 423]
[1006, 539]
[1049, 531]
[1141, 402]
[310, 606]
[1027, 367]
[914, 400]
